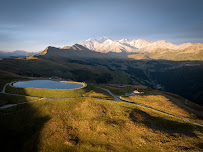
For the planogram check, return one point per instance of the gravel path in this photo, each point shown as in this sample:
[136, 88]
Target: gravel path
[150, 108]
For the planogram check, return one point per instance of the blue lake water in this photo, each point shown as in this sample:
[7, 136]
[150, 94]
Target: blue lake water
[48, 84]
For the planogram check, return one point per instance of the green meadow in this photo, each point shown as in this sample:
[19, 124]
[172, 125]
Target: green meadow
[94, 125]
[98, 122]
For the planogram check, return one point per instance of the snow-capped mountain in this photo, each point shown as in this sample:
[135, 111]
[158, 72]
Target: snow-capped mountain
[105, 44]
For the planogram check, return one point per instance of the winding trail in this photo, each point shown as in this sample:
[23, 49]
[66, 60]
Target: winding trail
[4, 88]
[117, 99]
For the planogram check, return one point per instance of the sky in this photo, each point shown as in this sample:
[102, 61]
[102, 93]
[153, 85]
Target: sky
[32, 25]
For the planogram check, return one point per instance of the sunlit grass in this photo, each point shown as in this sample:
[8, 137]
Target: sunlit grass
[99, 93]
[96, 125]
[167, 104]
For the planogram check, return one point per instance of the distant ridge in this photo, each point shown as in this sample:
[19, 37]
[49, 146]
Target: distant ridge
[72, 52]
[15, 54]
[107, 48]
[106, 45]
[52, 49]
[76, 47]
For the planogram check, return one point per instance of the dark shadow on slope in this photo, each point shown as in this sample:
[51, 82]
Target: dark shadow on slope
[180, 77]
[20, 128]
[163, 125]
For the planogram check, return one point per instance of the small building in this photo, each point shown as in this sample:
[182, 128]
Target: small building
[137, 92]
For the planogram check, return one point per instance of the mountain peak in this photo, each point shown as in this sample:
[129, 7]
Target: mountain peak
[99, 39]
[102, 39]
[51, 51]
[124, 40]
[105, 44]
[78, 47]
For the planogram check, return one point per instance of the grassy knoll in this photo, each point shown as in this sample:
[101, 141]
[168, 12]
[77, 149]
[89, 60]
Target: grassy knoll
[94, 125]
[169, 103]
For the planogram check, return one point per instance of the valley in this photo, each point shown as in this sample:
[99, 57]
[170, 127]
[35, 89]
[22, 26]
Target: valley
[78, 63]
[100, 117]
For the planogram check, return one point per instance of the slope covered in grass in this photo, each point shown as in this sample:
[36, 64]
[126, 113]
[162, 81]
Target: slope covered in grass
[170, 103]
[94, 125]
[164, 101]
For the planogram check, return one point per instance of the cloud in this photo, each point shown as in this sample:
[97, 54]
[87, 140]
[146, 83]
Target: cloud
[61, 21]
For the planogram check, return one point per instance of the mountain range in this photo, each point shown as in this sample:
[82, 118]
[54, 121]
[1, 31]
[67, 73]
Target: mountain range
[106, 44]
[135, 49]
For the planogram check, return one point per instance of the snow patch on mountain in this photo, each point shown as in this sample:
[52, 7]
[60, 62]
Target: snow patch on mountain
[105, 45]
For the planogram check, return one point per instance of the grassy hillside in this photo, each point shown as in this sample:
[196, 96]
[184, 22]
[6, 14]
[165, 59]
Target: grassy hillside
[90, 124]
[164, 101]
[94, 125]
[168, 103]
